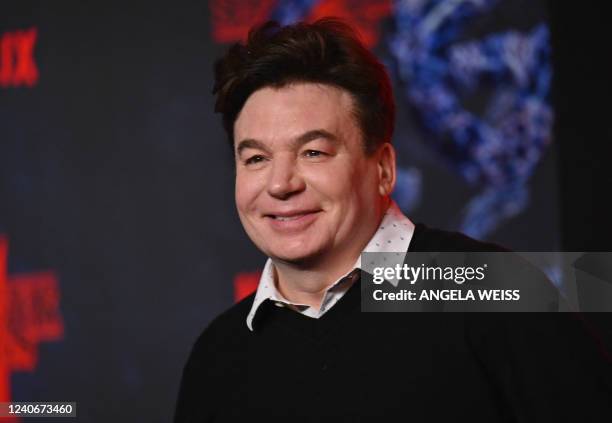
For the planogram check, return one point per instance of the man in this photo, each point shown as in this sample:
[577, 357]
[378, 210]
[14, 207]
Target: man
[309, 114]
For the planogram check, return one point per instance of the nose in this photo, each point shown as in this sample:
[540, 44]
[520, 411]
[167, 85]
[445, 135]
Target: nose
[285, 179]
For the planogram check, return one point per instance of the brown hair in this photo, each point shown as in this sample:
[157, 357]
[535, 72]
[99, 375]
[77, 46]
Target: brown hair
[326, 51]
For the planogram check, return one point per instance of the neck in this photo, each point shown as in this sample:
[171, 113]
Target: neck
[307, 283]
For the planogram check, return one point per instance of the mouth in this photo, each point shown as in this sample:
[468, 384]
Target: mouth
[287, 218]
[292, 221]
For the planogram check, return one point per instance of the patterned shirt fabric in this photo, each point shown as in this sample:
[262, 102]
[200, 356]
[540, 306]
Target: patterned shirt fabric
[393, 235]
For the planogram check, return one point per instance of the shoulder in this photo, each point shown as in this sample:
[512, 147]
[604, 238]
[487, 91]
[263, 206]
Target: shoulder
[505, 269]
[212, 369]
[225, 331]
[430, 239]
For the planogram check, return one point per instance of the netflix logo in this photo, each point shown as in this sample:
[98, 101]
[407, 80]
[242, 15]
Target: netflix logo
[17, 64]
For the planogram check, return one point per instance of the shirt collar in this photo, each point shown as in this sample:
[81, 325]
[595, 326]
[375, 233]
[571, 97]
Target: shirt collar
[393, 235]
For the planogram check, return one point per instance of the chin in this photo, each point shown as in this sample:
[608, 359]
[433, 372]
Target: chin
[295, 258]
[298, 256]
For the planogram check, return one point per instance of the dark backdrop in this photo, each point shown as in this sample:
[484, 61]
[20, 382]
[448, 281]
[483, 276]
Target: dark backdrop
[115, 177]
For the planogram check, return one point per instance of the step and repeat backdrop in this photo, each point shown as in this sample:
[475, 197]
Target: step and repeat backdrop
[119, 239]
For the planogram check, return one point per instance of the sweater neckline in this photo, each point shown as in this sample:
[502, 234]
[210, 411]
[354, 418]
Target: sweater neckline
[345, 310]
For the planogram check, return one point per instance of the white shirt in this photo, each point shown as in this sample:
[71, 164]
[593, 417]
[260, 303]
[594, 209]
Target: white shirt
[393, 235]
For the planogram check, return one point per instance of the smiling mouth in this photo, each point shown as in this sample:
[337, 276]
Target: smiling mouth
[288, 218]
[292, 222]
[285, 218]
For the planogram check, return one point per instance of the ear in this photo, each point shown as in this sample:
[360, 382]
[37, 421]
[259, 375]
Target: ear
[386, 168]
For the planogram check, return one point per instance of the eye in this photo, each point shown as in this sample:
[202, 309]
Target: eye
[313, 153]
[254, 159]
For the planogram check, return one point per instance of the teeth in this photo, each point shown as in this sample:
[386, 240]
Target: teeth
[281, 218]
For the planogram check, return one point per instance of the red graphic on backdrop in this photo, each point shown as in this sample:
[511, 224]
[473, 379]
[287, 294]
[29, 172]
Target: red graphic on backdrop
[17, 64]
[29, 315]
[232, 19]
[245, 284]
[363, 15]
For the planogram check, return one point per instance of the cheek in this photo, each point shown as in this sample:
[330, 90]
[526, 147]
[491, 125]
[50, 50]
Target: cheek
[245, 192]
[345, 184]
[248, 189]
[334, 183]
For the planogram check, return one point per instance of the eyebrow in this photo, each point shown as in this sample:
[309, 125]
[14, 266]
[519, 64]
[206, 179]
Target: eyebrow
[313, 135]
[296, 143]
[250, 143]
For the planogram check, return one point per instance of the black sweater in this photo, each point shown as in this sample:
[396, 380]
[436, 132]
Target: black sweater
[413, 367]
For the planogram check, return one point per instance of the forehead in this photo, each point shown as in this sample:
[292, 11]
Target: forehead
[274, 114]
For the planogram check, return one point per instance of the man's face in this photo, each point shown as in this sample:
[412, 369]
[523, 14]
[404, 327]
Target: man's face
[305, 189]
